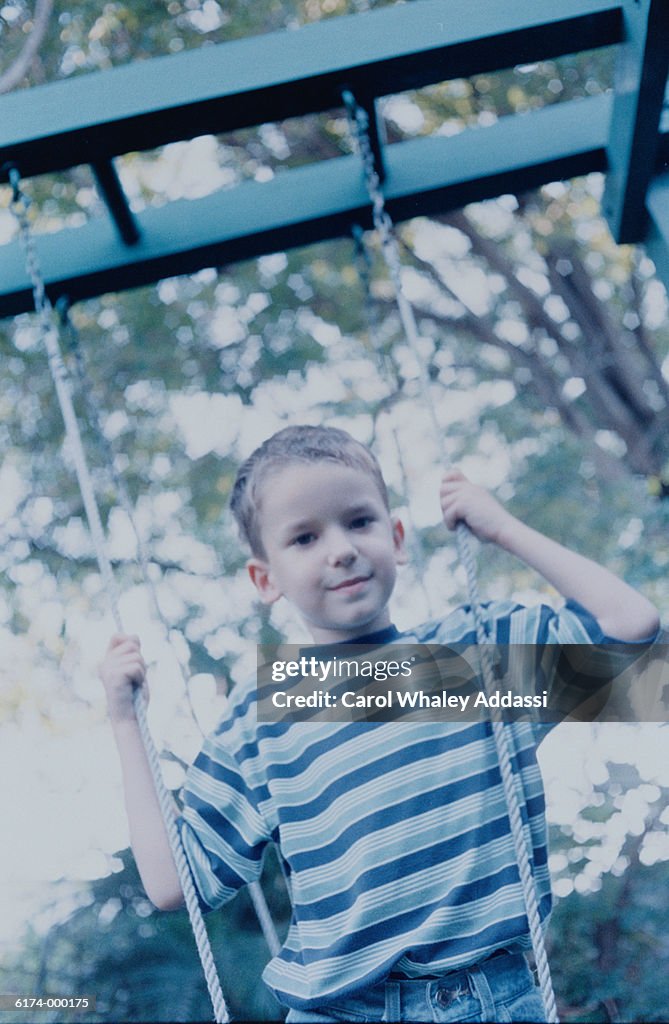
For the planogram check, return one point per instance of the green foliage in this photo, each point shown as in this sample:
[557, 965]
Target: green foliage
[608, 942]
[142, 965]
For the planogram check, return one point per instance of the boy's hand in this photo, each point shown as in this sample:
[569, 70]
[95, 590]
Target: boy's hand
[463, 501]
[122, 669]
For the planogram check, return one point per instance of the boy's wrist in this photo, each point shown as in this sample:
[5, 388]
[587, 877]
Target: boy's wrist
[506, 536]
[125, 723]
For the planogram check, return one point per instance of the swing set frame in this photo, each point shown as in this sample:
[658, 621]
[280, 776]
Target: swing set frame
[94, 118]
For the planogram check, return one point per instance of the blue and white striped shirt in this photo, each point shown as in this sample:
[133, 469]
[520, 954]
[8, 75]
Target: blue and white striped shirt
[395, 836]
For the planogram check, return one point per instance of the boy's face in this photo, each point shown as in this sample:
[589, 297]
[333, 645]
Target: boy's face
[331, 548]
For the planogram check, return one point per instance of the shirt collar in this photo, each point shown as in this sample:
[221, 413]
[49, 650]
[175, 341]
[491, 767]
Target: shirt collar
[370, 640]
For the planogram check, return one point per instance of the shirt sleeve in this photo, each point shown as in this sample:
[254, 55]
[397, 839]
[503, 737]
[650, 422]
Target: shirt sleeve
[566, 655]
[222, 828]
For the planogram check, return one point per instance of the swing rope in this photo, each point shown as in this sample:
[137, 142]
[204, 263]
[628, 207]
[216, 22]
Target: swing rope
[49, 337]
[359, 130]
[108, 455]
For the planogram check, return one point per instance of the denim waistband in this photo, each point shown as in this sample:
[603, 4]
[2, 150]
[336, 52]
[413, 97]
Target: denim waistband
[477, 992]
[401, 976]
[499, 988]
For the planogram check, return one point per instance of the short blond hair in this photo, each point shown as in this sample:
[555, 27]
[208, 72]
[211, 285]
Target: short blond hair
[294, 445]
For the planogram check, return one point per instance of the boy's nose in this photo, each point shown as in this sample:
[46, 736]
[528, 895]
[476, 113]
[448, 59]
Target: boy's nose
[342, 551]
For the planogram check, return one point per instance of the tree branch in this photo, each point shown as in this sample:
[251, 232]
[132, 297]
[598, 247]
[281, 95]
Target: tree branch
[546, 381]
[21, 65]
[614, 375]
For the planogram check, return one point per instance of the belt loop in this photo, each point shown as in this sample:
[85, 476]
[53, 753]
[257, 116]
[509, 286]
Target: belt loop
[483, 991]
[393, 1007]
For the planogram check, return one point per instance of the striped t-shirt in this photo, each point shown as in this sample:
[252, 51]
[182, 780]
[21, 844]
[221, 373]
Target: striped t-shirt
[394, 836]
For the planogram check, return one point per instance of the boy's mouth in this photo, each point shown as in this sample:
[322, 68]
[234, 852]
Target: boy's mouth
[354, 581]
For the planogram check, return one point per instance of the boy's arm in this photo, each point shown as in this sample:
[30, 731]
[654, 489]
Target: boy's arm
[121, 670]
[621, 611]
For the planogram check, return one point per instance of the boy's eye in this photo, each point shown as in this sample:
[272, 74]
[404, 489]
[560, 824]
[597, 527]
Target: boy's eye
[360, 522]
[303, 539]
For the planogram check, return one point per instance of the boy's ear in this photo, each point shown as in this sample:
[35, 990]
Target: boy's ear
[401, 557]
[262, 580]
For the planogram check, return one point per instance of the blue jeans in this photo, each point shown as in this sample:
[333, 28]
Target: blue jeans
[499, 989]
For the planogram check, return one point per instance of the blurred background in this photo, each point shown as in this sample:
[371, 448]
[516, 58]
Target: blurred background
[548, 351]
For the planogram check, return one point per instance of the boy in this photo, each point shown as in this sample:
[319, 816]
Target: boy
[394, 836]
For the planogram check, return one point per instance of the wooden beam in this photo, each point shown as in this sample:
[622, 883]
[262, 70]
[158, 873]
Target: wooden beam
[314, 202]
[94, 117]
[641, 76]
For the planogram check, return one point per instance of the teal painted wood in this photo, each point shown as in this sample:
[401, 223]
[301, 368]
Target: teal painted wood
[643, 61]
[97, 116]
[314, 202]
[110, 188]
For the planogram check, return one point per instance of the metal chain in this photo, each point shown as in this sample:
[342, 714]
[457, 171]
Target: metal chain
[20, 206]
[388, 369]
[359, 128]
